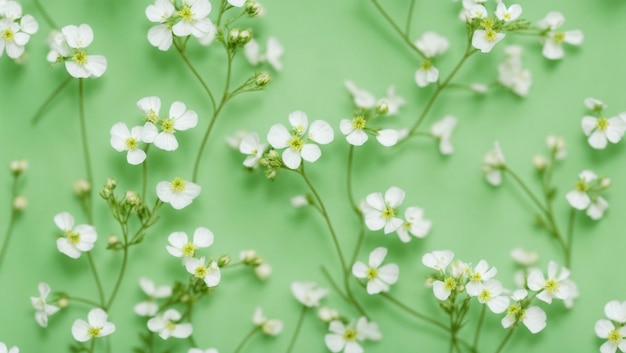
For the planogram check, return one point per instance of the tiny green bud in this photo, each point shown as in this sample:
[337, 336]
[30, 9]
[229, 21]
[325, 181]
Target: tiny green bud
[110, 183]
[184, 298]
[112, 240]
[253, 8]
[63, 303]
[244, 37]
[18, 166]
[81, 187]
[233, 36]
[382, 108]
[20, 203]
[223, 261]
[271, 174]
[263, 79]
[132, 198]
[605, 182]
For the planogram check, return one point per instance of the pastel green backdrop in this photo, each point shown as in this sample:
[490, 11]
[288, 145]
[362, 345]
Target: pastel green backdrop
[326, 42]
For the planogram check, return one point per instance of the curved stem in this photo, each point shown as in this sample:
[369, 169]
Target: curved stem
[414, 312]
[195, 72]
[355, 207]
[145, 176]
[7, 236]
[334, 284]
[570, 237]
[407, 30]
[45, 15]
[478, 327]
[83, 133]
[505, 340]
[526, 189]
[397, 28]
[216, 112]
[297, 331]
[120, 277]
[246, 339]
[84, 301]
[96, 279]
[49, 99]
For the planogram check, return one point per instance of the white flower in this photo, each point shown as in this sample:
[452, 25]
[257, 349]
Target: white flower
[123, 139]
[490, 295]
[594, 104]
[382, 211]
[80, 64]
[523, 257]
[180, 119]
[512, 74]
[387, 137]
[442, 130]
[443, 289]
[263, 271]
[272, 55]
[508, 14]
[362, 98]
[493, 163]
[209, 37]
[151, 106]
[167, 325]
[574, 293]
[552, 48]
[379, 278]
[180, 246]
[179, 193]
[95, 326]
[270, 327]
[308, 293]
[58, 47]
[614, 335]
[299, 201]
[210, 273]
[297, 143]
[601, 129]
[430, 44]
[327, 314]
[77, 239]
[14, 36]
[42, 308]
[534, 318]
[394, 102]
[252, 147]
[150, 307]
[478, 276]
[556, 145]
[550, 287]
[237, 3]
[414, 224]
[616, 311]
[344, 338]
[5, 349]
[160, 12]
[354, 130]
[485, 39]
[438, 259]
[234, 141]
[194, 19]
[198, 350]
[597, 207]
[579, 198]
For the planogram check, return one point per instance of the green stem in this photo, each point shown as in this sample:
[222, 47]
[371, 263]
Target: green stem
[7, 236]
[526, 189]
[395, 26]
[297, 331]
[216, 112]
[413, 312]
[570, 238]
[145, 176]
[120, 277]
[96, 279]
[84, 301]
[246, 339]
[355, 207]
[478, 327]
[407, 30]
[83, 132]
[49, 100]
[181, 51]
[45, 15]
[92, 346]
[506, 339]
[334, 284]
[359, 243]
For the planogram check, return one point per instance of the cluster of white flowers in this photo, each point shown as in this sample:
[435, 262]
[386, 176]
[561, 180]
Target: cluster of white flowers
[489, 31]
[511, 72]
[70, 46]
[585, 195]
[613, 329]
[381, 212]
[599, 129]
[15, 29]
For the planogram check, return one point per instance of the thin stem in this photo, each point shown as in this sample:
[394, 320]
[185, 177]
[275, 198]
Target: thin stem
[246, 339]
[83, 132]
[84, 301]
[409, 17]
[297, 331]
[181, 51]
[7, 236]
[97, 279]
[413, 312]
[570, 237]
[349, 180]
[334, 284]
[397, 28]
[216, 112]
[526, 189]
[49, 99]
[45, 15]
[92, 346]
[506, 339]
[359, 242]
[478, 327]
[120, 277]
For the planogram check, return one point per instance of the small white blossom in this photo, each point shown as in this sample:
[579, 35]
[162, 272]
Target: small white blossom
[252, 147]
[58, 47]
[160, 35]
[263, 271]
[344, 338]
[600, 130]
[308, 293]
[327, 314]
[297, 141]
[210, 273]
[508, 14]
[42, 308]
[394, 102]
[149, 307]
[579, 197]
[123, 139]
[556, 145]
[430, 44]
[5, 349]
[95, 326]
[512, 74]
[438, 259]
[234, 141]
[272, 55]
[523, 257]
[382, 210]
[597, 207]
[493, 163]
[379, 278]
[76, 239]
[81, 65]
[478, 276]
[179, 193]
[180, 246]
[180, 119]
[534, 318]
[485, 39]
[490, 295]
[270, 327]
[550, 287]
[552, 46]
[594, 104]
[414, 224]
[194, 19]
[362, 98]
[299, 201]
[167, 325]
[614, 330]
[442, 131]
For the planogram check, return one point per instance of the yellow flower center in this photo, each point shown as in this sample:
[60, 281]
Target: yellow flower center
[559, 37]
[602, 123]
[476, 277]
[349, 335]
[189, 250]
[490, 35]
[615, 336]
[552, 286]
[170, 326]
[388, 213]
[186, 13]
[177, 185]
[426, 65]
[167, 125]
[131, 143]
[200, 271]
[484, 296]
[449, 284]
[151, 116]
[73, 237]
[94, 331]
[8, 35]
[371, 273]
[296, 143]
[80, 57]
[516, 311]
[582, 186]
[487, 23]
[507, 16]
[358, 123]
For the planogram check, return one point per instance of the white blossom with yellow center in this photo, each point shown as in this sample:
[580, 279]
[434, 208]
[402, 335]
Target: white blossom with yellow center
[180, 246]
[79, 63]
[551, 286]
[178, 192]
[75, 239]
[379, 277]
[95, 326]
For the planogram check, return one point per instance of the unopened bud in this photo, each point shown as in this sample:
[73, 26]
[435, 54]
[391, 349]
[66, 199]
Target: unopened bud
[244, 37]
[382, 108]
[233, 36]
[263, 79]
[81, 187]
[18, 166]
[253, 8]
[110, 183]
[20, 203]
[327, 314]
[112, 240]
[540, 162]
[63, 303]
[605, 182]
[263, 271]
[223, 261]
[132, 198]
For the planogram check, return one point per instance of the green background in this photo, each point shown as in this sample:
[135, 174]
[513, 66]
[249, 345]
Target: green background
[326, 42]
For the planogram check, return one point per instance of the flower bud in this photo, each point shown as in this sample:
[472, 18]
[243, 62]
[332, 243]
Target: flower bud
[81, 187]
[299, 201]
[262, 80]
[382, 108]
[110, 183]
[20, 203]
[244, 37]
[112, 240]
[327, 314]
[233, 36]
[605, 182]
[479, 87]
[18, 166]
[63, 303]
[540, 162]
[263, 271]
[223, 261]
[132, 198]
[247, 256]
[253, 8]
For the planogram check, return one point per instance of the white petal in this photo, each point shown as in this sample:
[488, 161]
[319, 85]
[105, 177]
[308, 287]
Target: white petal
[334, 342]
[182, 330]
[79, 330]
[439, 290]
[278, 136]
[311, 152]
[552, 50]
[574, 37]
[299, 121]
[387, 137]
[202, 237]
[377, 256]
[359, 270]
[578, 199]
[135, 156]
[291, 158]
[96, 65]
[160, 36]
[389, 273]
[394, 196]
[597, 140]
[188, 120]
[164, 191]
[64, 221]
[357, 137]
[321, 132]
[588, 124]
[67, 248]
[97, 317]
[166, 141]
[76, 70]
[535, 319]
